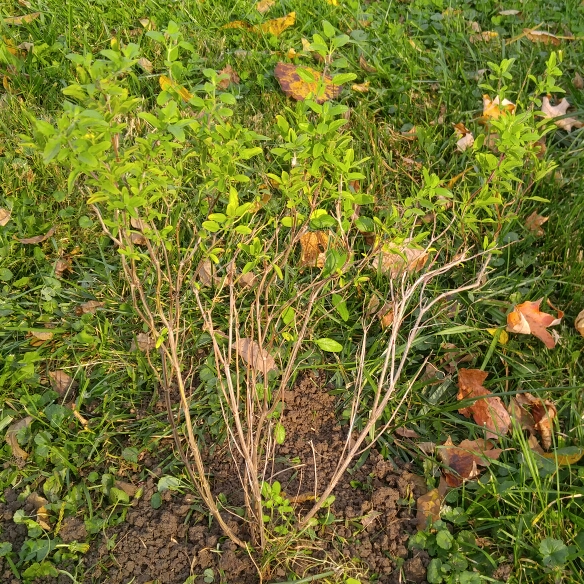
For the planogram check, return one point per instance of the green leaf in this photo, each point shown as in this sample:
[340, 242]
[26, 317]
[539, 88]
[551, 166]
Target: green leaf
[5, 548]
[341, 306]
[328, 29]
[168, 483]
[288, 315]
[118, 496]
[5, 275]
[343, 78]
[554, 551]
[444, 539]
[279, 433]
[434, 573]
[130, 454]
[85, 222]
[211, 226]
[329, 345]
[156, 501]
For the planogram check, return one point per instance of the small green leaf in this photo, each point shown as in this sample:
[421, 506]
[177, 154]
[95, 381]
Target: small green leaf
[5, 275]
[118, 496]
[168, 482]
[554, 552]
[85, 222]
[444, 539]
[288, 315]
[279, 433]
[341, 306]
[130, 454]
[211, 226]
[156, 501]
[329, 345]
[434, 573]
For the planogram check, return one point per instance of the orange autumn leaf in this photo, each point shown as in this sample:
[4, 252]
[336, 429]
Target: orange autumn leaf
[313, 249]
[488, 412]
[299, 89]
[231, 77]
[167, 84]
[493, 109]
[526, 318]
[428, 509]
[361, 87]
[565, 456]
[534, 414]
[579, 323]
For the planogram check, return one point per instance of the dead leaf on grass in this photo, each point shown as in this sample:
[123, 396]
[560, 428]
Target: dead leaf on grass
[10, 437]
[369, 519]
[264, 5]
[361, 87]
[247, 280]
[386, 315]
[544, 414]
[205, 273]
[526, 318]
[520, 414]
[167, 84]
[494, 109]
[277, 26]
[579, 323]
[61, 382]
[145, 64]
[466, 139]
[427, 448]
[578, 81]
[366, 66]
[24, 19]
[63, 265]
[256, 357]
[534, 222]
[509, 12]
[42, 515]
[406, 432]
[483, 37]
[89, 307]
[128, 488]
[540, 36]
[4, 217]
[38, 238]
[465, 459]
[555, 111]
[299, 89]
[565, 456]
[428, 509]
[144, 342]
[313, 247]
[37, 338]
[232, 77]
[487, 412]
[395, 260]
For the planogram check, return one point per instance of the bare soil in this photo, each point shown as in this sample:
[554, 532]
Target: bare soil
[369, 534]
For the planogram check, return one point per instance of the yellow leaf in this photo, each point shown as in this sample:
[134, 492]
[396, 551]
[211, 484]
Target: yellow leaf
[483, 37]
[565, 456]
[492, 109]
[167, 84]
[24, 19]
[237, 24]
[314, 245]
[332, 2]
[277, 26]
[296, 88]
[361, 87]
[264, 5]
[503, 337]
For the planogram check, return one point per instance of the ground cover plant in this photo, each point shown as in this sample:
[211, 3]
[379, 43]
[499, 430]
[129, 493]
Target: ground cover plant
[291, 291]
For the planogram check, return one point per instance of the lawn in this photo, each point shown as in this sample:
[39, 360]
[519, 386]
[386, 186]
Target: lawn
[291, 291]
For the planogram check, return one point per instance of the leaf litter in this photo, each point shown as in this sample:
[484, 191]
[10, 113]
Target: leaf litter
[12, 439]
[299, 82]
[526, 318]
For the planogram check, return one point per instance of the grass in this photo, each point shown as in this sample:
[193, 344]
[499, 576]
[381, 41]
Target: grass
[426, 77]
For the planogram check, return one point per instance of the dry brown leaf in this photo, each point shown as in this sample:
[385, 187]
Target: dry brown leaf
[534, 222]
[313, 249]
[10, 437]
[395, 260]
[264, 5]
[578, 81]
[370, 518]
[579, 323]
[204, 273]
[361, 87]
[42, 516]
[493, 109]
[520, 414]
[277, 26]
[61, 382]
[63, 265]
[256, 357]
[366, 66]
[146, 64]
[406, 432]
[483, 37]
[544, 414]
[465, 459]
[372, 305]
[427, 447]
[24, 19]
[534, 445]
[144, 342]
[475, 26]
[4, 216]
[539, 36]
[526, 318]
[232, 77]
[465, 142]
[487, 412]
[39, 337]
[247, 280]
[555, 111]
[509, 12]
[38, 238]
[428, 509]
[167, 84]
[138, 239]
[128, 488]
[386, 315]
[293, 86]
[89, 307]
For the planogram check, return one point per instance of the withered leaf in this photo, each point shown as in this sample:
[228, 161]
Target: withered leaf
[428, 509]
[386, 315]
[145, 64]
[144, 342]
[520, 414]
[395, 260]
[277, 26]
[493, 109]
[4, 216]
[578, 81]
[24, 19]
[42, 516]
[10, 437]
[296, 88]
[38, 238]
[579, 323]
[128, 488]
[526, 318]
[565, 456]
[264, 5]
[40, 337]
[256, 357]
[366, 66]
[232, 77]
[138, 239]
[313, 248]
[167, 84]
[205, 273]
[483, 37]
[556, 111]
[544, 414]
[539, 36]
[361, 87]
[369, 519]
[487, 412]
[63, 265]
[534, 222]
[61, 382]
[406, 432]
[89, 307]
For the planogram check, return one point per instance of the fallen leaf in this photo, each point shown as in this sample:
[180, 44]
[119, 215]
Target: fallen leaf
[386, 315]
[146, 64]
[138, 239]
[42, 516]
[361, 87]
[406, 432]
[565, 456]
[247, 280]
[296, 88]
[534, 222]
[10, 437]
[40, 337]
[544, 414]
[313, 247]
[526, 318]
[204, 273]
[138, 223]
[579, 323]
[370, 518]
[509, 12]
[366, 66]
[578, 81]
[89, 307]
[256, 357]
[61, 382]
[403, 259]
[305, 45]
[465, 142]
[475, 26]
[277, 26]
[26, 47]
[554, 111]
[24, 19]
[38, 238]
[539, 36]
[128, 488]
[144, 342]
[465, 459]
[146, 23]
[63, 265]
[520, 414]
[264, 5]
[492, 109]
[503, 336]
[167, 84]
[487, 412]
[427, 447]
[483, 37]
[428, 509]
[232, 77]
[534, 445]
[238, 24]
[4, 217]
